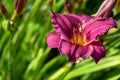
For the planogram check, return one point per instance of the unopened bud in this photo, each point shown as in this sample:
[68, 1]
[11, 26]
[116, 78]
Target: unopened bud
[106, 8]
[18, 9]
[19, 6]
[3, 9]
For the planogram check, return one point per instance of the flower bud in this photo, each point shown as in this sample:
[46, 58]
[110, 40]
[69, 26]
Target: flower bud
[3, 9]
[19, 6]
[105, 9]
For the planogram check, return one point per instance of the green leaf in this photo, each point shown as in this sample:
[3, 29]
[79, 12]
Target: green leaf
[92, 67]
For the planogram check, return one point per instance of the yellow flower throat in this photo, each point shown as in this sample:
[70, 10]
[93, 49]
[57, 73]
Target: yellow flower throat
[78, 36]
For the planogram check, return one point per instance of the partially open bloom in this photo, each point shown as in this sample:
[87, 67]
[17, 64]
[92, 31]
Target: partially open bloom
[76, 35]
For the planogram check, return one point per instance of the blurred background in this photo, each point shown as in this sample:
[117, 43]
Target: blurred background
[24, 54]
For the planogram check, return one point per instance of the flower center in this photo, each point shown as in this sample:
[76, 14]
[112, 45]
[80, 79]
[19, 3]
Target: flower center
[78, 36]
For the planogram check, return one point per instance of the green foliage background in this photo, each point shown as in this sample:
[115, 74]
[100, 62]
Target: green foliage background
[24, 54]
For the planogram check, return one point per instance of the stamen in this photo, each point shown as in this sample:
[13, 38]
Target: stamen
[78, 36]
[80, 27]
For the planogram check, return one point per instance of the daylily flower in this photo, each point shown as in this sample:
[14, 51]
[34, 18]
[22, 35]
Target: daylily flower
[76, 35]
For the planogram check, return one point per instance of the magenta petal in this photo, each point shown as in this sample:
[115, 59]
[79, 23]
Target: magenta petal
[62, 25]
[84, 18]
[53, 40]
[73, 55]
[75, 51]
[85, 51]
[99, 51]
[69, 49]
[74, 19]
[80, 18]
[65, 47]
[98, 26]
[80, 51]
